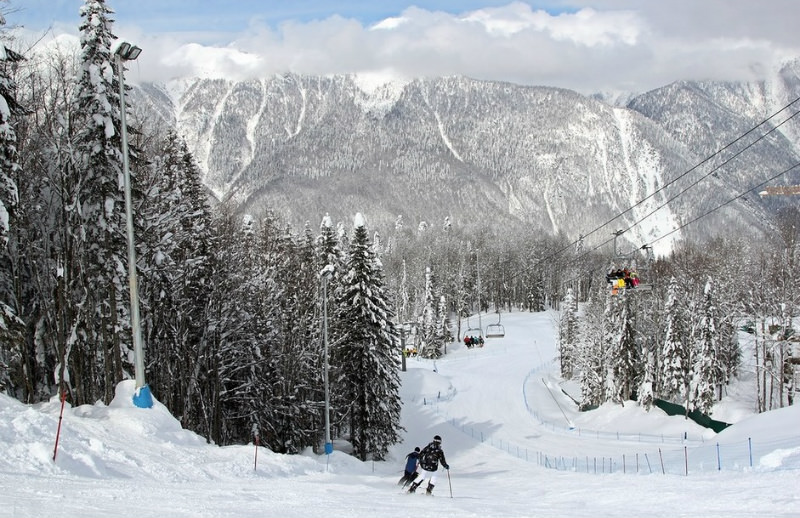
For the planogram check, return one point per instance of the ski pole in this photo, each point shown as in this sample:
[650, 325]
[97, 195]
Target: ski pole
[449, 483]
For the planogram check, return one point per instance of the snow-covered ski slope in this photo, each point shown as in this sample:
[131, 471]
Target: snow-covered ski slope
[506, 424]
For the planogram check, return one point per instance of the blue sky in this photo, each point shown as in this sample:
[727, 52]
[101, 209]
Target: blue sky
[235, 15]
[584, 45]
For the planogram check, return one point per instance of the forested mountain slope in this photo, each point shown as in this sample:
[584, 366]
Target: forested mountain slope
[542, 157]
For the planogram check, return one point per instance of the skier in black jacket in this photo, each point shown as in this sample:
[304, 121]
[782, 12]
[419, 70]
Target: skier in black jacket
[412, 459]
[429, 459]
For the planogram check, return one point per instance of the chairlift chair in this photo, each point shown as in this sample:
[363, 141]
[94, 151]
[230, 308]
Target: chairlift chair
[473, 331]
[496, 330]
[618, 284]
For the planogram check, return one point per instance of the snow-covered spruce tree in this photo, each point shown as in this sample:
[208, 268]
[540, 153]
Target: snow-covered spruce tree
[195, 249]
[329, 251]
[443, 334]
[46, 228]
[729, 353]
[365, 359]
[307, 336]
[645, 394]
[12, 345]
[786, 278]
[613, 326]
[590, 360]
[160, 328]
[234, 372]
[9, 161]
[568, 335]
[99, 348]
[675, 361]
[178, 275]
[295, 375]
[625, 356]
[463, 289]
[402, 299]
[536, 286]
[432, 339]
[704, 358]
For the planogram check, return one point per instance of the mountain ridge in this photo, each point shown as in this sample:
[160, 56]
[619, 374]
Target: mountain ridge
[459, 148]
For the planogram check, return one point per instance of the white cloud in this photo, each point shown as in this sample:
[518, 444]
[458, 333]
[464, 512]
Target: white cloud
[586, 27]
[214, 61]
[595, 45]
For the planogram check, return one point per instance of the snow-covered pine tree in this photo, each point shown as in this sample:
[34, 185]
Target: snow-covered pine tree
[195, 250]
[402, 304]
[463, 288]
[195, 254]
[590, 359]
[249, 350]
[535, 284]
[431, 339]
[443, 334]
[645, 395]
[307, 337]
[675, 360]
[625, 356]
[365, 357]
[704, 359]
[613, 328]
[568, 334]
[46, 231]
[329, 250]
[178, 275]
[158, 287]
[295, 374]
[9, 160]
[12, 345]
[233, 374]
[97, 358]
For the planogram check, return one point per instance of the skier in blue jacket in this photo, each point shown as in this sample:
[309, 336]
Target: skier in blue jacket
[412, 459]
[429, 459]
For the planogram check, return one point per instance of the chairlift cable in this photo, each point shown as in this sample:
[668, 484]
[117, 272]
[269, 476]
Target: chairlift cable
[714, 170]
[741, 195]
[721, 205]
[702, 162]
[719, 151]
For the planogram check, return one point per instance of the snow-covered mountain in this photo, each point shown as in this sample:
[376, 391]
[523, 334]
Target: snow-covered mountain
[480, 151]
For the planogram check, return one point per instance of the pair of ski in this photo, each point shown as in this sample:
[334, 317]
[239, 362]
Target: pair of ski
[407, 492]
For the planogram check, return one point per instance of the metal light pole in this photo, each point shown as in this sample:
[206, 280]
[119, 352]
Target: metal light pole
[141, 397]
[478, 270]
[326, 274]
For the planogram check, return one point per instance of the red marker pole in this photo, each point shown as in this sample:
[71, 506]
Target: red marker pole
[255, 459]
[60, 417]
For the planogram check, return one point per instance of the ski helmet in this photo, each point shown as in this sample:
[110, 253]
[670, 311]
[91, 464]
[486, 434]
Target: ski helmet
[436, 438]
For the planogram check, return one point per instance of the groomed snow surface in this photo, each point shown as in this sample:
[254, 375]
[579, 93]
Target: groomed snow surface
[515, 442]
